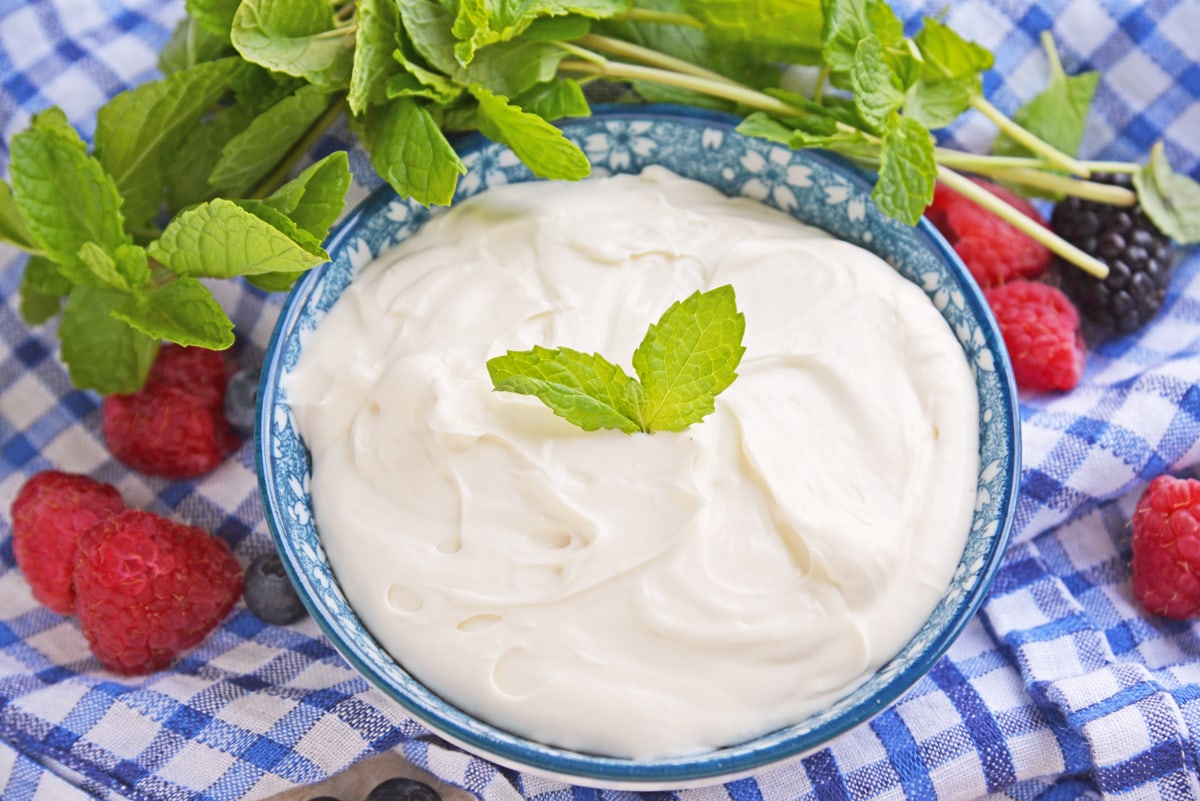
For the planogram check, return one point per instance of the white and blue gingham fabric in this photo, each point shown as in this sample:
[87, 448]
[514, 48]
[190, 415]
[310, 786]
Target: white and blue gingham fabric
[1061, 688]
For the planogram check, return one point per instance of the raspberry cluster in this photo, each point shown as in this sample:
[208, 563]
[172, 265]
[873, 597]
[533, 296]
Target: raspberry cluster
[145, 588]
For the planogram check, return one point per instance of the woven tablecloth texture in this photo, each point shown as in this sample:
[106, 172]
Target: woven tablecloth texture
[1061, 687]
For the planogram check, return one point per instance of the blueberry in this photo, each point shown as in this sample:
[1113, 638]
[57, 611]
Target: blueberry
[240, 395]
[269, 594]
[402, 789]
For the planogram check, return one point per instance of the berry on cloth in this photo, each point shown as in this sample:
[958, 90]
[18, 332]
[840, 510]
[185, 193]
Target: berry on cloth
[1138, 255]
[994, 251]
[1041, 332]
[52, 509]
[241, 396]
[175, 426]
[1166, 547]
[148, 588]
[402, 788]
[269, 594]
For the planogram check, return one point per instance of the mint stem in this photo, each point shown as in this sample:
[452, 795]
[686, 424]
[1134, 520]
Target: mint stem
[653, 58]
[1030, 175]
[1023, 137]
[1040, 233]
[978, 162]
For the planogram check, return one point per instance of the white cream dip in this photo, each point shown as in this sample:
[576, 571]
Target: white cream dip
[637, 595]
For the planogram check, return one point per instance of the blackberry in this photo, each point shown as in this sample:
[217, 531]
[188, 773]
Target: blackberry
[269, 594]
[403, 789]
[1138, 255]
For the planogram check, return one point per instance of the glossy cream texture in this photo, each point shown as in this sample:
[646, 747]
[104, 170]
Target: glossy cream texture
[637, 595]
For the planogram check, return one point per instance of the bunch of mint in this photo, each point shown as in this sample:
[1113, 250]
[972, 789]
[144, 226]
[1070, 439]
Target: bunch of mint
[188, 176]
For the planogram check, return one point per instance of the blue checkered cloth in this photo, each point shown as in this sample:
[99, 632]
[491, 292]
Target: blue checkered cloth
[1060, 688]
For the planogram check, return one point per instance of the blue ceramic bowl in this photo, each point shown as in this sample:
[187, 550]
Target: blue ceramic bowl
[816, 189]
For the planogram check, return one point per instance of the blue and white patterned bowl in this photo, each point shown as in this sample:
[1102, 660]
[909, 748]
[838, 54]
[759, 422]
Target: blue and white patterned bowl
[704, 146]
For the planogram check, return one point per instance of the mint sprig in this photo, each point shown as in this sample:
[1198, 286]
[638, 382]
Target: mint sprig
[685, 360]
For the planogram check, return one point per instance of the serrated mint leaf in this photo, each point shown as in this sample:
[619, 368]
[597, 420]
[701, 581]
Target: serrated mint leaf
[259, 88]
[688, 358]
[314, 199]
[296, 37]
[557, 29]
[540, 145]
[140, 129]
[1057, 115]
[186, 175]
[13, 228]
[414, 80]
[251, 155]
[274, 282]
[845, 23]
[948, 56]
[784, 30]
[181, 310]
[813, 130]
[102, 268]
[64, 195]
[1171, 200]
[214, 16]
[483, 22]
[585, 390]
[907, 171]
[410, 152]
[374, 43]
[189, 45]
[101, 352]
[505, 68]
[42, 290]
[220, 239]
[937, 104]
[877, 90]
[284, 225]
[561, 97]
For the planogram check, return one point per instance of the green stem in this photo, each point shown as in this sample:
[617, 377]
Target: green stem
[653, 58]
[660, 17]
[581, 52]
[724, 89]
[1063, 185]
[1040, 233]
[279, 176]
[1023, 137]
[976, 162]
[819, 84]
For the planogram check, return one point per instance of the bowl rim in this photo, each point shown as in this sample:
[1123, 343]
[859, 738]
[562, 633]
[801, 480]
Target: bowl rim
[506, 748]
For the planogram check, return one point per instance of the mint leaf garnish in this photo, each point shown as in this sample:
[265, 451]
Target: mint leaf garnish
[685, 360]
[536, 142]
[13, 228]
[1171, 200]
[42, 290]
[374, 42]
[907, 171]
[410, 152]
[102, 352]
[181, 310]
[296, 37]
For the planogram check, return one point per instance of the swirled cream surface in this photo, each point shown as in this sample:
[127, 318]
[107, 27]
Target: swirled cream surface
[637, 595]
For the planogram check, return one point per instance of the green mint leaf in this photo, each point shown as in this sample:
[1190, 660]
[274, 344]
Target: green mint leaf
[64, 195]
[260, 88]
[1171, 200]
[783, 30]
[296, 37]
[274, 282]
[907, 171]
[220, 239]
[483, 22]
[126, 268]
[189, 45]
[410, 152]
[13, 228]
[314, 198]
[505, 68]
[213, 16]
[103, 267]
[139, 130]
[374, 42]
[1058, 115]
[877, 89]
[847, 22]
[585, 390]
[186, 175]
[284, 225]
[42, 290]
[937, 104]
[689, 357]
[414, 80]
[251, 155]
[557, 29]
[948, 56]
[561, 97]
[540, 145]
[101, 352]
[181, 310]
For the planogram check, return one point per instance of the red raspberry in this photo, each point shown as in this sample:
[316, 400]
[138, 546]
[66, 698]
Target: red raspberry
[197, 371]
[1166, 547]
[993, 250]
[1041, 331]
[175, 426]
[149, 588]
[51, 511]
